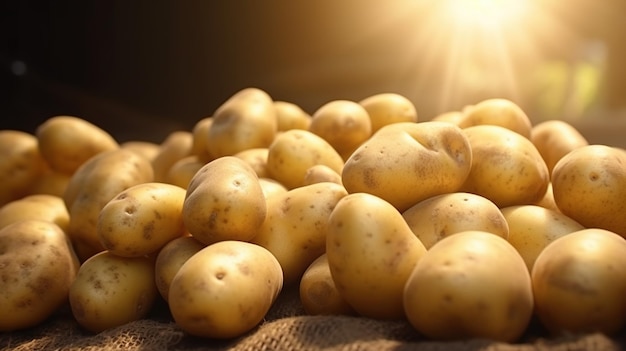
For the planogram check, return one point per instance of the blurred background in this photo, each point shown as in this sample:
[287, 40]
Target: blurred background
[142, 69]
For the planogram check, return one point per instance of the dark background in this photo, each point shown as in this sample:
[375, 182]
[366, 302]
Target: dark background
[141, 69]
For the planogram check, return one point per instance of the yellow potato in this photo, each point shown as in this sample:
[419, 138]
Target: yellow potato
[246, 120]
[200, 136]
[141, 219]
[294, 230]
[371, 252]
[225, 289]
[170, 258]
[111, 290]
[294, 151]
[49, 182]
[453, 117]
[589, 185]
[66, 142]
[321, 173]
[499, 112]
[224, 201]
[405, 163]
[37, 266]
[506, 167]
[547, 200]
[95, 183]
[291, 116]
[318, 292]
[469, 285]
[271, 187]
[532, 228]
[147, 149]
[343, 124]
[43, 207]
[388, 108]
[257, 159]
[21, 164]
[579, 283]
[183, 170]
[443, 215]
[176, 146]
[555, 139]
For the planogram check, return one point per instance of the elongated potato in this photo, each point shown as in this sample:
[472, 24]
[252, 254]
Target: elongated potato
[43, 207]
[499, 112]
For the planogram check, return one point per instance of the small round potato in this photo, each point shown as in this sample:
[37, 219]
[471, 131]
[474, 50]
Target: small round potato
[440, 216]
[388, 108]
[318, 292]
[291, 116]
[44, 207]
[471, 284]
[294, 151]
[405, 163]
[344, 124]
[506, 167]
[37, 267]
[321, 173]
[532, 228]
[140, 220]
[176, 146]
[499, 112]
[257, 159]
[111, 290]
[200, 135]
[555, 139]
[224, 201]
[371, 252]
[183, 170]
[579, 283]
[21, 164]
[171, 258]
[225, 289]
[66, 142]
[589, 185]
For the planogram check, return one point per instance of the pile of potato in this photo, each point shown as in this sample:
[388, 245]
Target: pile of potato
[466, 225]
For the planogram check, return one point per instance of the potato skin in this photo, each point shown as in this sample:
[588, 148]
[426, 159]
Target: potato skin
[388, 108]
[170, 258]
[225, 289]
[21, 164]
[140, 220]
[291, 116]
[589, 185]
[44, 207]
[37, 267]
[176, 146]
[579, 283]
[555, 139]
[499, 112]
[111, 290]
[224, 201]
[468, 277]
[66, 142]
[318, 292]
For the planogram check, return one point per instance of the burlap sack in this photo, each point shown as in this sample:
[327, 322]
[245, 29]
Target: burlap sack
[286, 327]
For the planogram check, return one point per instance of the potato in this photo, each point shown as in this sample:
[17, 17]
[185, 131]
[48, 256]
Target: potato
[225, 289]
[318, 292]
[295, 227]
[321, 173]
[555, 139]
[43, 207]
[21, 164]
[141, 219]
[371, 252]
[532, 228]
[200, 139]
[183, 170]
[405, 163]
[499, 112]
[589, 185]
[224, 201]
[344, 124]
[176, 146]
[453, 117]
[170, 258]
[579, 283]
[388, 108]
[291, 116]
[271, 187]
[147, 149]
[471, 284]
[547, 200]
[294, 151]
[49, 182]
[66, 142]
[111, 290]
[246, 120]
[92, 186]
[257, 159]
[37, 267]
[440, 216]
[506, 167]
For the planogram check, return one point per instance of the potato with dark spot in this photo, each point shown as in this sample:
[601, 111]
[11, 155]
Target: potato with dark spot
[225, 289]
[37, 267]
[318, 292]
[469, 285]
[140, 220]
[371, 252]
[43, 207]
[111, 290]
[171, 258]
[224, 201]
[21, 164]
